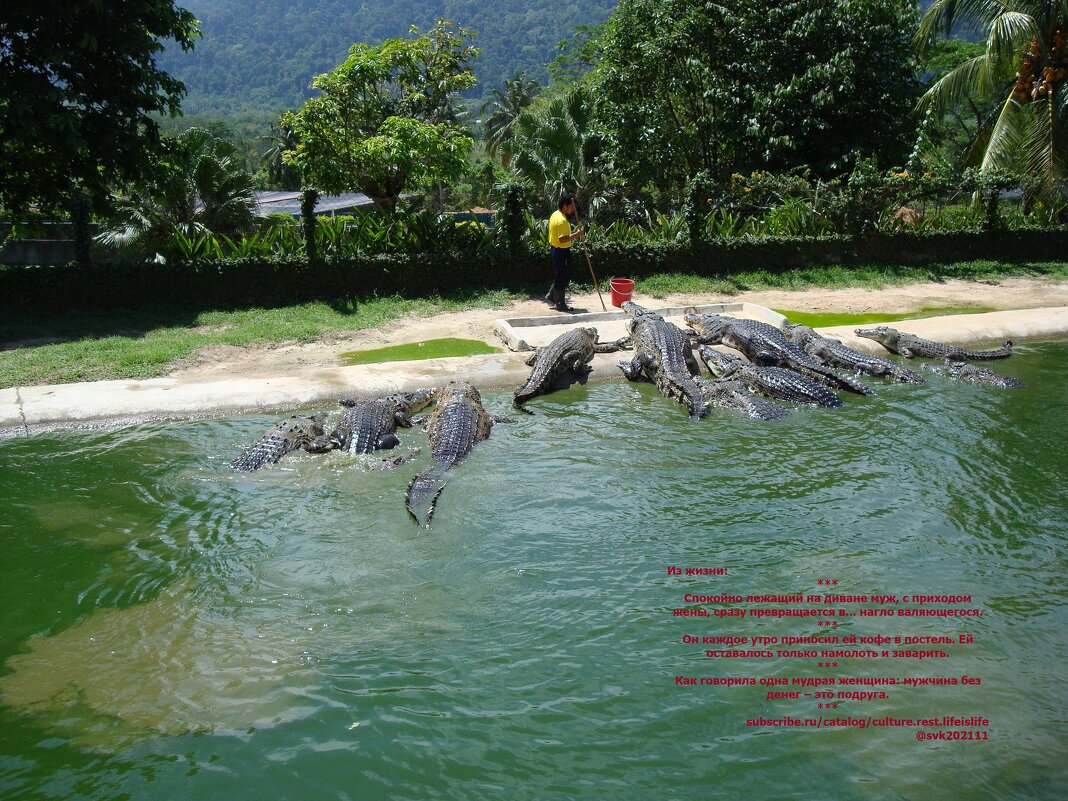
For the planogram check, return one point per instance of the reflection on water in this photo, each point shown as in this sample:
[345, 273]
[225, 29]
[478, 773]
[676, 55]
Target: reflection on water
[258, 635]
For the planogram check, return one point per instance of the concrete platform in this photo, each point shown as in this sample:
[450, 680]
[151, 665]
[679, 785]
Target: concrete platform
[524, 333]
[25, 410]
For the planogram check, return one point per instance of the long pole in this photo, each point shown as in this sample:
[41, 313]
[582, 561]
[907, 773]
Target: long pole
[589, 263]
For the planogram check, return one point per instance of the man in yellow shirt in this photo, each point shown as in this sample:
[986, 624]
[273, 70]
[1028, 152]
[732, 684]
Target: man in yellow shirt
[560, 239]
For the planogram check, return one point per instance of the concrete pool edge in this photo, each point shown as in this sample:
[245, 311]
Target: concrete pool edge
[511, 330]
[32, 409]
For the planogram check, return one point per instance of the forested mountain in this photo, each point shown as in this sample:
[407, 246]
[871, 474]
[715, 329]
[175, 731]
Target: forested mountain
[262, 54]
[965, 31]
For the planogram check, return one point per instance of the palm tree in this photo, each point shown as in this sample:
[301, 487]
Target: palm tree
[280, 174]
[505, 108]
[1016, 85]
[557, 150]
[200, 187]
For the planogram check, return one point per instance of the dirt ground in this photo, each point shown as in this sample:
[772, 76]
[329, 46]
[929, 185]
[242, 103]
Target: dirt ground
[286, 357]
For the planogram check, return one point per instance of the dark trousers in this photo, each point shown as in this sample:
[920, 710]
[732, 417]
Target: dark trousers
[561, 267]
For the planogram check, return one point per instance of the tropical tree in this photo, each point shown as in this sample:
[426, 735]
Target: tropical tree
[1015, 86]
[200, 187]
[504, 108]
[382, 120]
[79, 88]
[721, 88]
[577, 54]
[559, 149]
[942, 139]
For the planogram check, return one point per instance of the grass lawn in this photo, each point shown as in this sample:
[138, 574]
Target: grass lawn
[835, 277]
[145, 344]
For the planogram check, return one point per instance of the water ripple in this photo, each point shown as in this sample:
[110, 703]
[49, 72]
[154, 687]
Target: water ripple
[199, 620]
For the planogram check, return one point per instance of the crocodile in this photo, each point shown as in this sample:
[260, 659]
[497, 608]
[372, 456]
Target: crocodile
[736, 395]
[765, 344]
[974, 374]
[457, 423]
[662, 353]
[910, 346]
[775, 382]
[572, 350]
[288, 435]
[367, 426]
[834, 354]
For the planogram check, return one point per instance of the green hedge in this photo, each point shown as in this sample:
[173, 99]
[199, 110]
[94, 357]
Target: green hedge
[777, 254]
[243, 283]
[269, 282]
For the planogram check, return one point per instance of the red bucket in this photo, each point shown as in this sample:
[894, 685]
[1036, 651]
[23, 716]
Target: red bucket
[622, 288]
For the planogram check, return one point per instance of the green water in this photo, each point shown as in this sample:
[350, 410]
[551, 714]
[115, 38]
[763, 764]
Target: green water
[175, 630]
[412, 351]
[820, 320]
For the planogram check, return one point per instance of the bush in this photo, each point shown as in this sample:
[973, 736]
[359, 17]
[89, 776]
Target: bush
[237, 283]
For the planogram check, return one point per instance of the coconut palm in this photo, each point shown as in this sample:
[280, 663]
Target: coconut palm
[1017, 84]
[557, 150]
[201, 187]
[505, 108]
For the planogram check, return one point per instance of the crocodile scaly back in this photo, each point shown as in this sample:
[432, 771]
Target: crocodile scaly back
[457, 424]
[911, 346]
[288, 435]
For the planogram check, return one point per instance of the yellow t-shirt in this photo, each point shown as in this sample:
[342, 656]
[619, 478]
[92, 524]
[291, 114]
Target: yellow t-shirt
[558, 227]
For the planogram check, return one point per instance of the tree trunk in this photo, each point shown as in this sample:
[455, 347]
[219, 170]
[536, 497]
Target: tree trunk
[308, 199]
[79, 215]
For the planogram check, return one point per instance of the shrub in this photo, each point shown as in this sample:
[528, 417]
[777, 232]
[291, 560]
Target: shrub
[204, 282]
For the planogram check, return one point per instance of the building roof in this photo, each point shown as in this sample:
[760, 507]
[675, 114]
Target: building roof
[289, 203]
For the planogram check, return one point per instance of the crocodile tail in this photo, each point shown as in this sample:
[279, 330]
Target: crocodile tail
[522, 395]
[423, 492]
[252, 458]
[850, 384]
[899, 373]
[268, 450]
[518, 402]
[1004, 352]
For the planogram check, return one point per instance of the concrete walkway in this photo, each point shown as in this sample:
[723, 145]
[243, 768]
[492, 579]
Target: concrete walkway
[25, 410]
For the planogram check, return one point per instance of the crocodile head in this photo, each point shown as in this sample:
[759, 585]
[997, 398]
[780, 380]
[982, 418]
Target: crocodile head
[719, 364]
[884, 335]
[458, 391]
[412, 402]
[639, 314]
[633, 309]
[311, 425]
[797, 333]
[707, 325]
